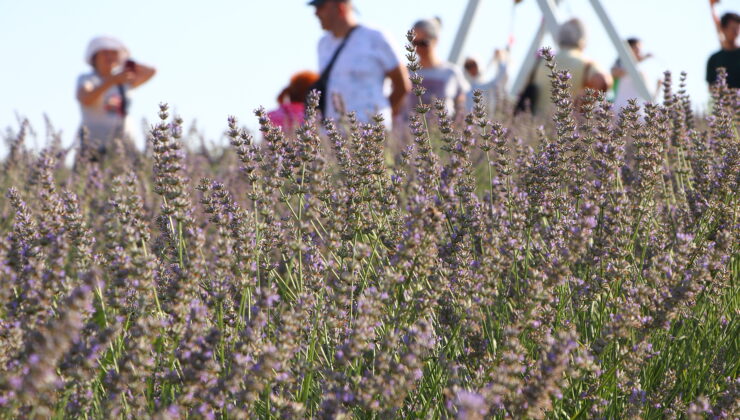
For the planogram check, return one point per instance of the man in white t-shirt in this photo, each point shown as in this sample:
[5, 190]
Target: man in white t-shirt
[357, 77]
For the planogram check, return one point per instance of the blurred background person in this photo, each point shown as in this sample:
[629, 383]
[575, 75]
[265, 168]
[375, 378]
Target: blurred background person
[358, 72]
[493, 89]
[442, 79]
[624, 86]
[728, 57]
[104, 95]
[585, 73]
[291, 101]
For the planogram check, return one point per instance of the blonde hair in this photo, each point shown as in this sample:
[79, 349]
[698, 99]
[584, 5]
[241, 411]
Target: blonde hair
[431, 27]
[572, 34]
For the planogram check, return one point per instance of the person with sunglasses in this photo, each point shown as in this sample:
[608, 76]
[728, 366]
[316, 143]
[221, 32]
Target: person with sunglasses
[441, 79]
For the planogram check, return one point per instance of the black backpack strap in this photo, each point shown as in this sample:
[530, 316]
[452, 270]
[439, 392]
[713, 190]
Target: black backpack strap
[325, 74]
[124, 100]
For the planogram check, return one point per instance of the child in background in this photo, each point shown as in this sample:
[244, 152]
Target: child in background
[289, 114]
[493, 89]
[625, 87]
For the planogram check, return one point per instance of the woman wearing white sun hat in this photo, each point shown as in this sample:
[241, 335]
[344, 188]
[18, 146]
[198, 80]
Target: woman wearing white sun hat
[104, 94]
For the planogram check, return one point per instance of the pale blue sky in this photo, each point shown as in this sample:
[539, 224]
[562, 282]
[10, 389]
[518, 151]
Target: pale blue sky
[226, 57]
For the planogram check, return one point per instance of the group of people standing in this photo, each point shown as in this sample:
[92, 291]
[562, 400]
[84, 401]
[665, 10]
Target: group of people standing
[356, 61]
[361, 71]
[356, 73]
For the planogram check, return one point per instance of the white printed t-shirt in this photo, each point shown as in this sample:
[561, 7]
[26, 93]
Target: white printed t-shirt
[104, 119]
[358, 74]
[627, 90]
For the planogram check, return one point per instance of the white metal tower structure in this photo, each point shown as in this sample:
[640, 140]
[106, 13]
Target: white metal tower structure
[551, 23]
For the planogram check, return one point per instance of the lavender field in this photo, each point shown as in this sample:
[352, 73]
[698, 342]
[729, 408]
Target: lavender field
[585, 269]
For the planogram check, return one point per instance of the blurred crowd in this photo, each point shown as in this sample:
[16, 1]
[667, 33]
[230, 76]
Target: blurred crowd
[362, 71]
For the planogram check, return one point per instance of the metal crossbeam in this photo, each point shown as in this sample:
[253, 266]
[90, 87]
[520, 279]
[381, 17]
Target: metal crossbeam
[550, 23]
[463, 30]
[549, 15]
[625, 52]
[530, 60]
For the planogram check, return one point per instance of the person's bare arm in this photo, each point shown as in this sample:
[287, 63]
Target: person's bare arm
[400, 87]
[460, 103]
[658, 88]
[88, 94]
[717, 24]
[142, 74]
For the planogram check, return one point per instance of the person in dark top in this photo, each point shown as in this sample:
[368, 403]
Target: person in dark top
[729, 56]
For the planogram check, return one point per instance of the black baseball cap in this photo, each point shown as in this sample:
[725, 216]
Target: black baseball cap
[320, 2]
